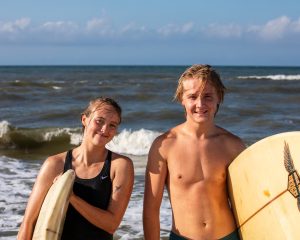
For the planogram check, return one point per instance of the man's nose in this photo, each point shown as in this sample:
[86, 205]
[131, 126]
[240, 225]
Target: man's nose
[199, 101]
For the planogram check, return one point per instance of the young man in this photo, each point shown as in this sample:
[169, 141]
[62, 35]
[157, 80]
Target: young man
[192, 160]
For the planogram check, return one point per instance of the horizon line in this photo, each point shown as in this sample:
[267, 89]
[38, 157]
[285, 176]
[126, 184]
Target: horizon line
[141, 65]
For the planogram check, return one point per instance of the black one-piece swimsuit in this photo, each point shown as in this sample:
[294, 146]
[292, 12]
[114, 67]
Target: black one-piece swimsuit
[97, 192]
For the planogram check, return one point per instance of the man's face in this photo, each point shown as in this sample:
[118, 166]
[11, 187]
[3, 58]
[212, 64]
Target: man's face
[200, 101]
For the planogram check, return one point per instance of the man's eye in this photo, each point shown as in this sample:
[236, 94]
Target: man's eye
[192, 97]
[99, 121]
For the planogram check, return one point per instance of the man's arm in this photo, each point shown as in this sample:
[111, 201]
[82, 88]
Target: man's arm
[155, 177]
[236, 147]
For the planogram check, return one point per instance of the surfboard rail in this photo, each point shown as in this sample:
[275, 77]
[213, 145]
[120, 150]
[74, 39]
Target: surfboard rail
[51, 218]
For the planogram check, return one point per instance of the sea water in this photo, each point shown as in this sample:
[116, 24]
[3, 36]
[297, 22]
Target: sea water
[40, 109]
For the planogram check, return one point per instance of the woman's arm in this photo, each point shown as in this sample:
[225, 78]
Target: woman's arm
[122, 184]
[51, 168]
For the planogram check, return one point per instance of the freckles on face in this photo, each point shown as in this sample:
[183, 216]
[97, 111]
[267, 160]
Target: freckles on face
[104, 121]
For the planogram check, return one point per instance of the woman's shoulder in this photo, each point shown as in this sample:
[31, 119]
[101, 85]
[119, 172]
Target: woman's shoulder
[117, 157]
[56, 161]
[121, 161]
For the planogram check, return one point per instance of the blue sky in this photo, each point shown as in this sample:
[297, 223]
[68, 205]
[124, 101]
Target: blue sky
[137, 32]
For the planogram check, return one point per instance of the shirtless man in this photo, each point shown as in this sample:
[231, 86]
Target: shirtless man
[192, 160]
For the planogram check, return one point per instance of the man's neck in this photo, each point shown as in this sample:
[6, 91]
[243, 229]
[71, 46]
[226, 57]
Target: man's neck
[199, 130]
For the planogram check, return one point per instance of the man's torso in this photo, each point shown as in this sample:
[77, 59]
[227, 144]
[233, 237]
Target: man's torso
[196, 184]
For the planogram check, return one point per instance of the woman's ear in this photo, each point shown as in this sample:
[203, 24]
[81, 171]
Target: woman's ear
[83, 120]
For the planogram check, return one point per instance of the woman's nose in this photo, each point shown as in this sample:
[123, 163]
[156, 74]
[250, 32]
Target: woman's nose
[104, 128]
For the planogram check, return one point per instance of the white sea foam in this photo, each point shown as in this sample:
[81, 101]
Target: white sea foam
[16, 180]
[131, 226]
[133, 142]
[56, 87]
[48, 136]
[83, 81]
[273, 77]
[75, 138]
[4, 127]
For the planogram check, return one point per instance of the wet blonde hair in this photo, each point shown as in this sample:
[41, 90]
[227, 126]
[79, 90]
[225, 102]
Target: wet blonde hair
[206, 74]
[99, 102]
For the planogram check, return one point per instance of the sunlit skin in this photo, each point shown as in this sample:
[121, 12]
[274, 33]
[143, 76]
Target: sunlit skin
[200, 104]
[191, 159]
[88, 160]
[101, 126]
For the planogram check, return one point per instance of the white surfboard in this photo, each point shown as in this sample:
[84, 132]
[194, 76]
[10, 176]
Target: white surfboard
[52, 215]
[264, 186]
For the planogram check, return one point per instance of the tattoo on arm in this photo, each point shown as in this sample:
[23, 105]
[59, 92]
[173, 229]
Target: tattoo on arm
[117, 188]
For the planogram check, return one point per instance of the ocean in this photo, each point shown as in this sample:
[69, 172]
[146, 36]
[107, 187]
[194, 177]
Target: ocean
[40, 109]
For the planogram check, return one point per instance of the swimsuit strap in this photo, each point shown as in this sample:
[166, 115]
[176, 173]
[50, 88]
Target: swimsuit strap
[68, 161]
[107, 164]
[106, 167]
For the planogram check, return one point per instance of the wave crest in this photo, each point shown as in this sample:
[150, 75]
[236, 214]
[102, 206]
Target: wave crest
[130, 142]
[272, 77]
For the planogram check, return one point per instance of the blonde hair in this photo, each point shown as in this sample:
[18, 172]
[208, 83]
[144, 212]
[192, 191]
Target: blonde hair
[97, 103]
[202, 72]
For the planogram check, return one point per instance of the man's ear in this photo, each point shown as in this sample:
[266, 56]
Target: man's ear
[218, 105]
[181, 101]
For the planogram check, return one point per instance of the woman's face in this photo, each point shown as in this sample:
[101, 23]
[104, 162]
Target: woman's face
[101, 126]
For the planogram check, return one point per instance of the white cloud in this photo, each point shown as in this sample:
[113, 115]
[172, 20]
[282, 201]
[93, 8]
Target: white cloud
[95, 24]
[187, 27]
[280, 28]
[133, 28]
[296, 26]
[99, 30]
[60, 26]
[273, 29]
[173, 29]
[223, 31]
[15, 26]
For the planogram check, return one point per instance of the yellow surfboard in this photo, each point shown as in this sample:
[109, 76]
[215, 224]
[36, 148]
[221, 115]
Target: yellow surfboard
[52, 215]
[264, 188]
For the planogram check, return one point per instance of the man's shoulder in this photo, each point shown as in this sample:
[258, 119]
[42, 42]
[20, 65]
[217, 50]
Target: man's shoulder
[231, 141]
[222, 132]
[164, 142]
[168, 136]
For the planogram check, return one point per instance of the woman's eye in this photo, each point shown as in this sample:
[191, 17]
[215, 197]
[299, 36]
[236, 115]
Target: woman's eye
[113, 126]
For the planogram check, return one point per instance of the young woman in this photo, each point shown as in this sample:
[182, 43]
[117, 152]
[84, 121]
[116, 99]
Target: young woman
[103, 183]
